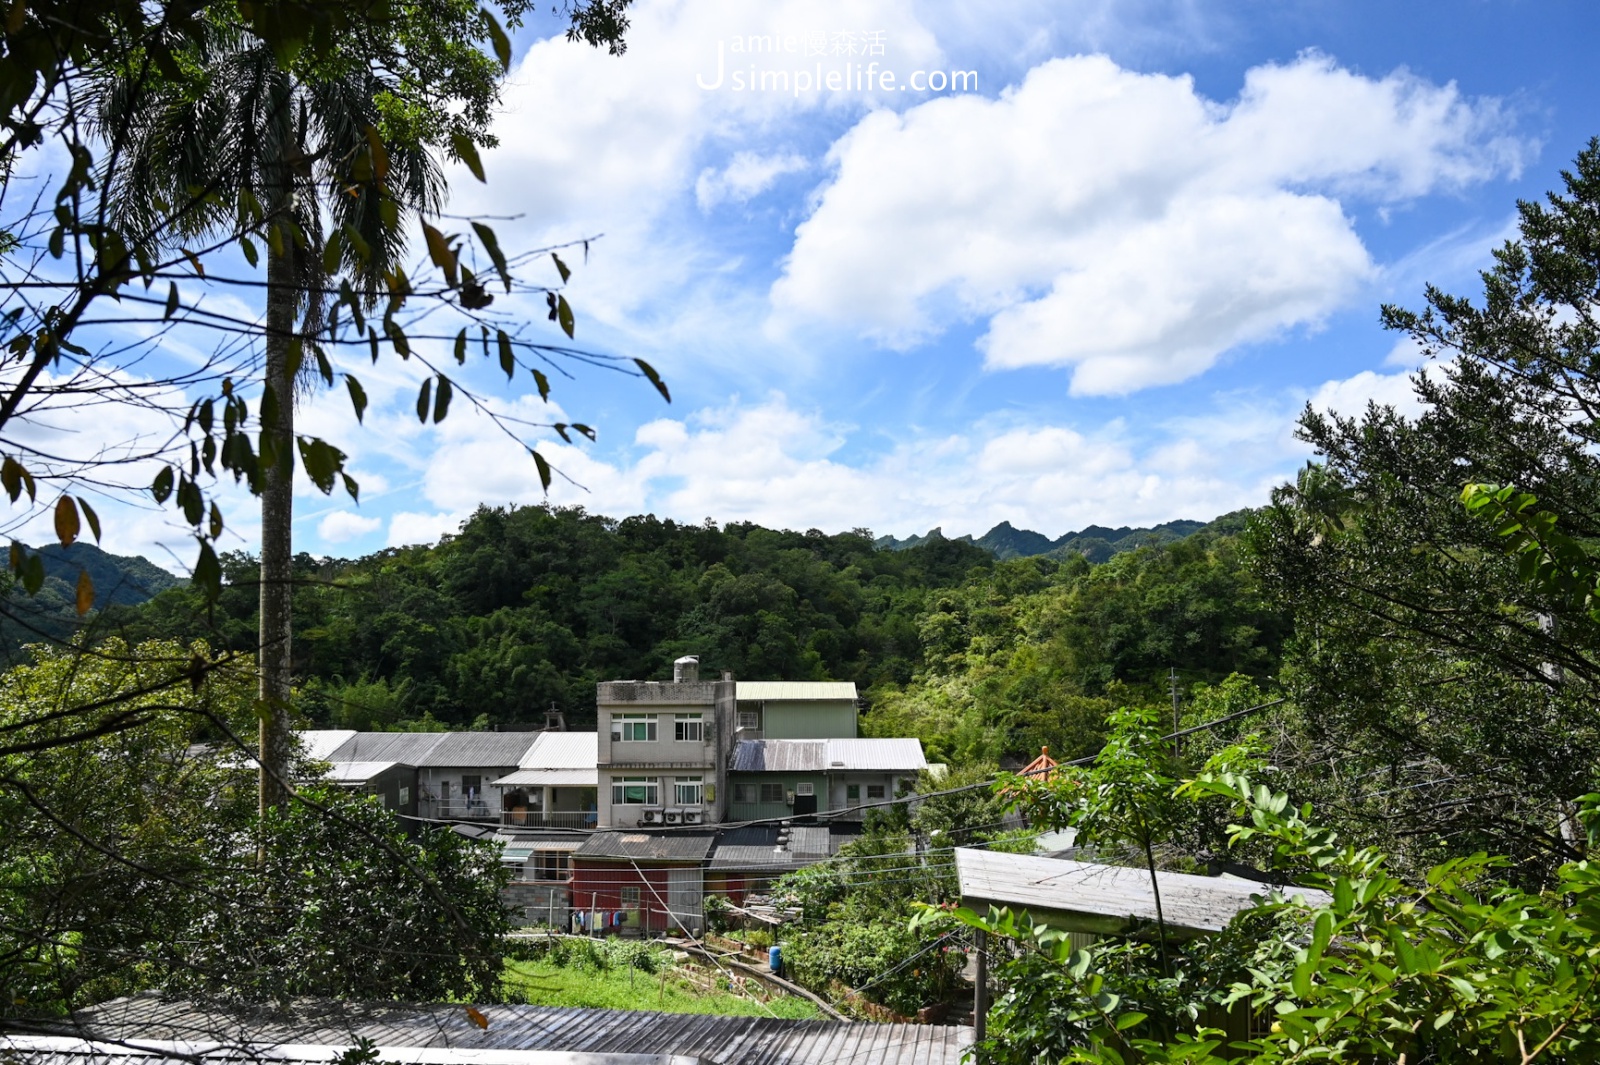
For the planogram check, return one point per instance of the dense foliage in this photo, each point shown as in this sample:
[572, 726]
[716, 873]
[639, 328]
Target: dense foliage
[533, 605]
[132, 857]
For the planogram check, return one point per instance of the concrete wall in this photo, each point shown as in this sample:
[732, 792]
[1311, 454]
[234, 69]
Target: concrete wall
[537, 902]
[665, 758]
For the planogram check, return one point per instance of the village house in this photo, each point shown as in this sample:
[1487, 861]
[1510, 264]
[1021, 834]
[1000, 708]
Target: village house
[555, 784]
[777, 778]
[641, 883]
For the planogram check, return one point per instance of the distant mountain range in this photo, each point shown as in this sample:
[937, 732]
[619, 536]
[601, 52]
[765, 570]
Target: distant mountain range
[119, 580]
[1096, 543]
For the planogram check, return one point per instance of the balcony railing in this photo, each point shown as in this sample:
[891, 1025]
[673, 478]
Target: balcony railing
[551, 819]
[460, 810]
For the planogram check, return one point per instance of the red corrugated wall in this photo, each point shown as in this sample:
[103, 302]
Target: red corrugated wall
[598, 885]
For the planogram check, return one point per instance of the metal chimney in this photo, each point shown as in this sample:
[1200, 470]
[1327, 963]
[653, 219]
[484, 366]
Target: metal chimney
[686, 670]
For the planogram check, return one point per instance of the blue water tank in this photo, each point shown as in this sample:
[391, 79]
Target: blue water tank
[775, 958]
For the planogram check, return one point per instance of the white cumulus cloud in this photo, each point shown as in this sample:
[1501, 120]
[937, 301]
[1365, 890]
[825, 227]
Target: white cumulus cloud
[1120, 224]
[343, 525]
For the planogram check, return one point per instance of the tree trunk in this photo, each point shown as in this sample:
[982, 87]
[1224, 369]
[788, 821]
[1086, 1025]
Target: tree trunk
[277, 543]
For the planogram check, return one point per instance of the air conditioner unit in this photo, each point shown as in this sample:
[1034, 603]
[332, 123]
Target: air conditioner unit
[693, 817]
[651, 817]
[673, 817]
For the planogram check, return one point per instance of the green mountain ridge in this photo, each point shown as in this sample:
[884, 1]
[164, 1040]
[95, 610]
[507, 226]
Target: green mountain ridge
[52, 614]
[1097, 543]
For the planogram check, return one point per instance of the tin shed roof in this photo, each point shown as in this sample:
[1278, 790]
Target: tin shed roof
[1080, 896]
[713, 1040]
[479, 749]
[562, 750]
[797, 690]
[550, 778]
[647, 846]
[358, 772]
[407, 747]
[320, 743]
[821, 756]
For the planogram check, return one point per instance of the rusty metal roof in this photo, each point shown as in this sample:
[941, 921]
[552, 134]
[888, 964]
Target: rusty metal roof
[713, 1040]
[647, 846]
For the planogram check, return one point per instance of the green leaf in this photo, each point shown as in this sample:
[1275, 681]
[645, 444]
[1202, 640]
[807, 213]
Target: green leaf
[172, 300]
[351, 486]
[161, 488]
[33, 574]
[424, 400]
[248, 246]
[441, 399]
[564, 316]
[561, 267]
[654, 378]
[208, 571]
[467, 152]
[543, 384]
[1129, 1019]
[441, 254]
[91, 517]
[491, 244]
[508, 357]
[461, 348]
[497, 36]
[544, 468]
[358, 395]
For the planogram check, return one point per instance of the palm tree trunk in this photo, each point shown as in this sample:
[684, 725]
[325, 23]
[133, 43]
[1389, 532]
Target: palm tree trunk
[277, 544]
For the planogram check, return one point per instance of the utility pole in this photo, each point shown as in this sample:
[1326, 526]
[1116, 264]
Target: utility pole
[1172, 681]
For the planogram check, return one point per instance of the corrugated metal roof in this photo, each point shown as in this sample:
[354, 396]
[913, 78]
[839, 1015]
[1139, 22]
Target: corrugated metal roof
[1106, 898]
[821, 756]
[780, 756]
[407, 747]
[61, 1050]
[886, 755]
[647, 846]
[473, 749]
[358, 772]
[550, 778]
[320, 743]
[797, 690]
[562, 750]
[712, 1039]
[767, 847]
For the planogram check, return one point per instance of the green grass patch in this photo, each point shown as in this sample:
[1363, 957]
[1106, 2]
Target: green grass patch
[543, 982]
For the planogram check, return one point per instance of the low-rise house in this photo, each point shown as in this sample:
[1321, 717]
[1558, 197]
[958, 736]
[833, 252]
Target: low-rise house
[747, 859]
[394, 783]
[555, 785]
[796, 709]
[642, 882]
[453, 769]
[662, 748]
[772, 778]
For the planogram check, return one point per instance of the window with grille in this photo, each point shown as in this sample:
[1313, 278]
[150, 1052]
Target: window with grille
[772, 793]
[750, 719]
[805, 789]
[634, 791]
[687, 791]
[633, 728]
[550, 865]
[744, 793]
[875, 791]
[630, 898]
[852, 792]
[688, 728]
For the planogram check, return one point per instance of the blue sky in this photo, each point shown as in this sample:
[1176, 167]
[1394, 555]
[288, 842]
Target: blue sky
[1094, 286]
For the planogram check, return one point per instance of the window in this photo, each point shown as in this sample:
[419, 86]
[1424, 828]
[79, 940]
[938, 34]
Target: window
[852, 793]
[630, 898]
[634, 791]
[405, 796]
[686, 791]
[688, 728]
[633, 728]
[744, 793]
[550, 865]
[772, 793]
[750, 719]
[875, 791]
[805, 789]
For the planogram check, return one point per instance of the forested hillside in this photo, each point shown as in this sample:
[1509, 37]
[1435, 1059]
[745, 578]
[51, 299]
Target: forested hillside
[531, 606]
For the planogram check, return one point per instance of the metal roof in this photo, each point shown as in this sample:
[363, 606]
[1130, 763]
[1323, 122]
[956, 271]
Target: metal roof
[407, 747]
[550, 778]
[318, 744]
[821, 756]
[65, 1050]
[479, 749]
[647, 846]
[711, 1039]
[796, 690]
[562, 750]
[1080, 896]
[765, 848]
[780, 756]
[358, 772]
[897, 755]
